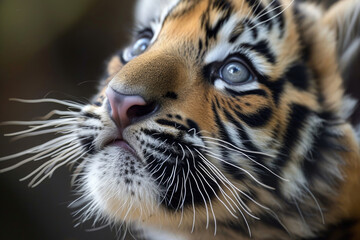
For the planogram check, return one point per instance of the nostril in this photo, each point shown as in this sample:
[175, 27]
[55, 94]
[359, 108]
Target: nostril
[128, 109]
[138, 112]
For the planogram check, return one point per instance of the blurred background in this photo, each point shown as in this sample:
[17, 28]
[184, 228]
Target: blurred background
[52, 48]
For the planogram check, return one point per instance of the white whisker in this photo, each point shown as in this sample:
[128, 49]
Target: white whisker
[269, 19]
[242, 169]
[62, 130]
[193, 205]
[240, 151]
[317, 204]
[42, 123]
[49, 100]
[216, 140]
[221, 177]
[54, 143]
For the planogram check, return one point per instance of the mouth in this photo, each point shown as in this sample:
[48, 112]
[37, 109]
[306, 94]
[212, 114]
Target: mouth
[121, 143]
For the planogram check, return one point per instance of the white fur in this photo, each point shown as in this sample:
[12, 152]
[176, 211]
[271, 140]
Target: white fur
[155, 234]
[153, 12]
[349, 36]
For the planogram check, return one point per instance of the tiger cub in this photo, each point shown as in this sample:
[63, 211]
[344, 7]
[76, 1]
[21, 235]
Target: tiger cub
[224, 119]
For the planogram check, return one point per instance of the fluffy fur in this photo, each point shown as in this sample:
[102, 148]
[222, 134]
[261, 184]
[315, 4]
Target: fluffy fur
[274, 157]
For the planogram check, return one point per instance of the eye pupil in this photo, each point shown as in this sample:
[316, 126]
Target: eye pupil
[235, 72]
[233, 69]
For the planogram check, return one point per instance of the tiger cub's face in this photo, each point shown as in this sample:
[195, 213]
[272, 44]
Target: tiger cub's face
[200, 117]
[209, 119]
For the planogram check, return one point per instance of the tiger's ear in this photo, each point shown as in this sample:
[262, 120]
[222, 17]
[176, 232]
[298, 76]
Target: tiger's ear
[344, 19]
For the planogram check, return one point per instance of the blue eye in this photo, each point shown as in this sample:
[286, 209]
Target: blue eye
[138, 47]
[235, 73]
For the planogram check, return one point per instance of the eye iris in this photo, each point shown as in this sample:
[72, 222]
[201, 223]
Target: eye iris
[140, 46]
[235, 72]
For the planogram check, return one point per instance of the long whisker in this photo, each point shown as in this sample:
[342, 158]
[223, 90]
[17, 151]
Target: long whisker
[193, 205]
[69, 152]
[62, 130]
[216, 140]
[237, 197]
[237, 150]
[54, 143]
[49, 100]
[317, 203]
[267, 20]
[242, 169]
[38, 122]
[222, 177]
[202, 196]
[36, 157]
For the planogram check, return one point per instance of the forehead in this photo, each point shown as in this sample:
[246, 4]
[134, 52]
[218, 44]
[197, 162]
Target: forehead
[263, 30]
[210, 12]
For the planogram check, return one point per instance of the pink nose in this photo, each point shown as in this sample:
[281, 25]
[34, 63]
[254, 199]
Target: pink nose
[127, 109]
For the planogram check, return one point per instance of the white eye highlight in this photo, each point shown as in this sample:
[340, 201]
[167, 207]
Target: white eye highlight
[138, 47]
[235, 73]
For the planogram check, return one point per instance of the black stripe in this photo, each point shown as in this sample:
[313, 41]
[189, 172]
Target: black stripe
[163, 136]
[258, 119]
[297, 120]
[265, 176]
[221, 5]
[236, 173]
[217, 102]
[87, 143]
[172, 197]
[246, 141]
[305, 47]
[262, 48]
[298, 75]
[276, 87]
[211, 33]
[255, 155]
[251, 25]
[323, 142]
[248, 144]
[258, 92]
[90, 115]
[161, 149]
[277, 10]
[221, 128]
[171, 95]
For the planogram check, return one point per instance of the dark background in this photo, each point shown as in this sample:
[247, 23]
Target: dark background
[53, 48]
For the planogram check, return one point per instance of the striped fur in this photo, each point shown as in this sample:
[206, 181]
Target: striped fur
[272, 158]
